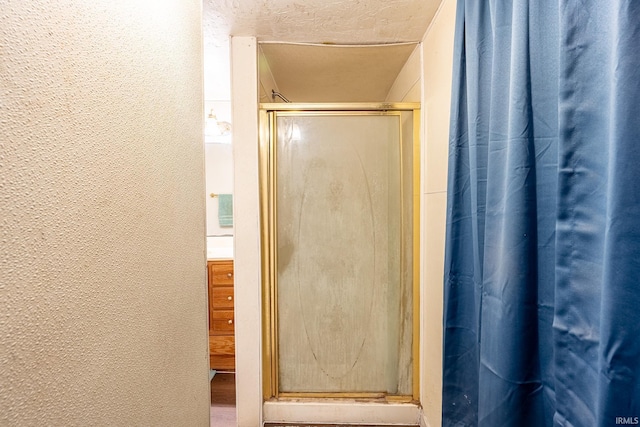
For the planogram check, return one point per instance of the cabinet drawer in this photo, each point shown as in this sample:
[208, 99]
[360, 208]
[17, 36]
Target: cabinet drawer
[222, 297]
[222, 322]
[224, 362]
[222, 345]
[221, 273]
[222, 353]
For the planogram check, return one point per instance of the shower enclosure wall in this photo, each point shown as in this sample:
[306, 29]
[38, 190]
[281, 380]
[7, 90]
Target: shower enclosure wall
[339, 218]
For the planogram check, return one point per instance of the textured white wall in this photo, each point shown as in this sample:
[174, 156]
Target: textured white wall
[437, 58]
[102, 257]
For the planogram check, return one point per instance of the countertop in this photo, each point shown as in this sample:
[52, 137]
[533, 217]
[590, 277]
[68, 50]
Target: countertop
[219, 247]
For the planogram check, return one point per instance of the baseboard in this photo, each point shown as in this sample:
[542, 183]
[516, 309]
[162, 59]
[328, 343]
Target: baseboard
[339, 413]
[330, 425]
[423, 421]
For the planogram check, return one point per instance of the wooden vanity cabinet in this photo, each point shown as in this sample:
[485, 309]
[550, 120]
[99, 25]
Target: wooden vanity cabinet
[221, 315]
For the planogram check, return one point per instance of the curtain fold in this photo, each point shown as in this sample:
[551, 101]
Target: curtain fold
[542, 274]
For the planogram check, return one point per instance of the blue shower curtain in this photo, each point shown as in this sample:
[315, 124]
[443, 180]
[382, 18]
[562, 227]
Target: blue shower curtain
[542, 274]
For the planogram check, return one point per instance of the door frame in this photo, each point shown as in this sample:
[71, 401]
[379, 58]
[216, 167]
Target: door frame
[268, 244]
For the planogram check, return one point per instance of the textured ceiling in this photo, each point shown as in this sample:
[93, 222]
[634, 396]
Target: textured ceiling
[319, 21]
[300, 73]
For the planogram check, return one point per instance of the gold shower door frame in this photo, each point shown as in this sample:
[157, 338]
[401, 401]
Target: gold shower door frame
[267, 140]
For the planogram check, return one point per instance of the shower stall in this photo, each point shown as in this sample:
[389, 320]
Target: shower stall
[340, 226]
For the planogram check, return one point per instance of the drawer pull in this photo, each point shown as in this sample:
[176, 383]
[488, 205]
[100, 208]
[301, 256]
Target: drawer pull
[230, 322]
[229, 275]
[229, 298]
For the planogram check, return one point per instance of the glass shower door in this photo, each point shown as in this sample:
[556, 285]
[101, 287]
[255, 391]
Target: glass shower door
[342, 240]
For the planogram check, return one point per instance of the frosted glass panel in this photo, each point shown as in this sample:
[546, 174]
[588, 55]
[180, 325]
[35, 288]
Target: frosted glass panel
[343, 271]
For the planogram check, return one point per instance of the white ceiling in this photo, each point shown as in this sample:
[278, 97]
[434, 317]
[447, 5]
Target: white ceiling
[321, 73]
[341, 22]
[320, 21]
